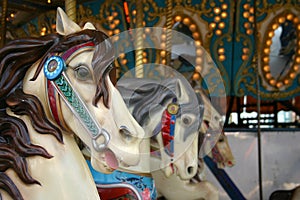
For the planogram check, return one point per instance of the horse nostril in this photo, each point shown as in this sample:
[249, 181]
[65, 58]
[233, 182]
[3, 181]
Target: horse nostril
[230, 164]
[190, 170]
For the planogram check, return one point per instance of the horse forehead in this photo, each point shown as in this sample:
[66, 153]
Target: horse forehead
[83, 56]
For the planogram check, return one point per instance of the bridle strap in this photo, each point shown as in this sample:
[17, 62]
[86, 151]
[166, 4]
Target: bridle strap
[67, 54]
[167, 132]
[53, 99]
[53, 96]
[54, 72]
[168, 122]
[216, 155]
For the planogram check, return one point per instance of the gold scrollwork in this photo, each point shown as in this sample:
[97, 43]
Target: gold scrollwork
[190, 23]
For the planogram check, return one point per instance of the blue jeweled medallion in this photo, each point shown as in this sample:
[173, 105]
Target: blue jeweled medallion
[54, 67]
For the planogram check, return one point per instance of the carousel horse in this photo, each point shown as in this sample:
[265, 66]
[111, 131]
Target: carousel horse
[40, 112]
[156, 105]
[217, 148]
[215, 143]
[170, 115]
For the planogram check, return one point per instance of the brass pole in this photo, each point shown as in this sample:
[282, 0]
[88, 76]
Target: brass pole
[169, 25]
[139, 70]
[3, 23]
[71, 9]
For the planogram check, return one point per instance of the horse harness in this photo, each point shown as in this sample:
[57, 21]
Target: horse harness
[59, 85]
[168, 122]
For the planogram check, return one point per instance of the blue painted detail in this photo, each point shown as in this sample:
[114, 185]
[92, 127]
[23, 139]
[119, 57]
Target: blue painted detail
[172, 133]
[223, 178]
[58, 65]
[141, 183]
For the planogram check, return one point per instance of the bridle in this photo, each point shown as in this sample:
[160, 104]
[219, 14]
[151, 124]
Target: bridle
[167, 129]
[58, 85]
[168, 122]
[216, 154]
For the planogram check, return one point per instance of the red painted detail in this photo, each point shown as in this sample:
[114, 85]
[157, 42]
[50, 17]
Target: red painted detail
[165, 128]
[116, 193]
[70, 51]
[52, 102]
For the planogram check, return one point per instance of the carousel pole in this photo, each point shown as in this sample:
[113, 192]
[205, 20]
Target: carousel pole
[70, 6]
[139, 70]
[257, 64]
[169, 25]
[3, 22]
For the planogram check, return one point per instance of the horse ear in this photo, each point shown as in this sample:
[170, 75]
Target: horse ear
[89, 25]
[65, 26]
[180, 90]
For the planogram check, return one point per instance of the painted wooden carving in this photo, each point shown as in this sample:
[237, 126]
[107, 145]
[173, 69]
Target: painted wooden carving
[53, 88]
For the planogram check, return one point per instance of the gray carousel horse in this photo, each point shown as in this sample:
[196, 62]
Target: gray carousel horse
[175, 162]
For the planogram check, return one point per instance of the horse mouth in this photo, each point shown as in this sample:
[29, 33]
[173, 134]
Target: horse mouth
[111, 159]
[196, 179]
[106, 162]
[198, 176]
[230, 163]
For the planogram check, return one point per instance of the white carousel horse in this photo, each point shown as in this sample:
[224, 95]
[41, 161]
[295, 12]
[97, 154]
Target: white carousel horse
[174, 187]
[149, 101]
[170, 114]
[41, 112]
[174, 149]
[215, 141]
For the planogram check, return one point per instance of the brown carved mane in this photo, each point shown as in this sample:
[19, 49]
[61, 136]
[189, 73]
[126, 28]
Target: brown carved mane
[15, 59]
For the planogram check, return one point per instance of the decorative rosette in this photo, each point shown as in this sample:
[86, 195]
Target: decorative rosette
[54, 67]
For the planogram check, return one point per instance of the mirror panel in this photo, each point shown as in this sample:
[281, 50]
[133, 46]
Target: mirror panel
[280, 59]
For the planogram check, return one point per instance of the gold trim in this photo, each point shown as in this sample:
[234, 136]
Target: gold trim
[139, 69]
[288, 78]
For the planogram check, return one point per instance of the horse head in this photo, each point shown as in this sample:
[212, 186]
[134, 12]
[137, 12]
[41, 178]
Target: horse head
[98, 115]
[215, 142]
[170, 114]
[182, 116]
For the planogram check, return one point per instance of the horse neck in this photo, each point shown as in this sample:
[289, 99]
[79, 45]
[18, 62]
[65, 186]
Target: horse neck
[55, 170]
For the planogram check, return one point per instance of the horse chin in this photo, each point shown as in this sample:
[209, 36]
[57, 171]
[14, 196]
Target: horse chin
[169, 170]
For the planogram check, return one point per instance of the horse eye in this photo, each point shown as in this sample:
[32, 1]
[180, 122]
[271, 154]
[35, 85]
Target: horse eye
[125, 133]
[187, 120]
[82, 73]
[221, 139]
